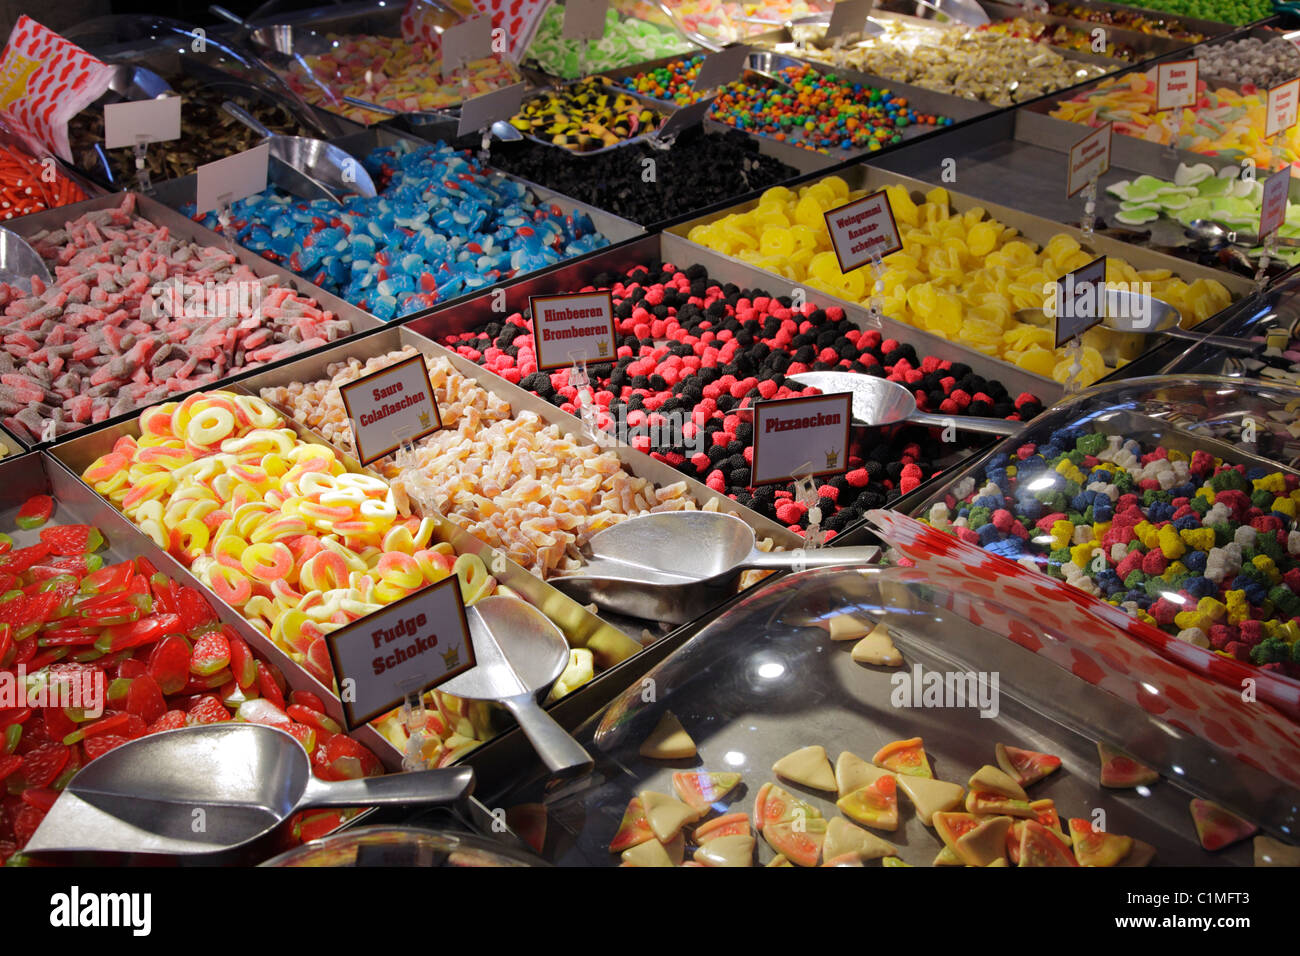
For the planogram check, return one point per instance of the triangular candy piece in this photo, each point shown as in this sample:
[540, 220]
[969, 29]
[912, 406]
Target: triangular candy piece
[1000, 861]
[1270, 852]
[650, 853]
[897, 860]
[676, 849]
[989, 778]
[986, 802]
[844, 859]
[1097, 847]
[799, 841]
[700, 789]
[809, 767]
[1218, 828]
[904, 756]
[930, 796]
[666, 815]
[1040, 847]
[875, 805]
[1119, 770]
[878, 648]
[1025, 766]
[780, 860]
[729, 824]
[843, 837]
[1045, 813]
[846, 627]
[634, 829]
[852, 772]
[668, 741]
[735, 850]
[952, 826]
[774, 805]
[984, 844]
[947, 857]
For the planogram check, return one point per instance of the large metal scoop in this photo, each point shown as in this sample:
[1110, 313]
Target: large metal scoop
[19, 262]
[676, 565]
[1144, 315]
[215, 793]
[279, 39]
[878, 401]
[306, 167]
[518, 655]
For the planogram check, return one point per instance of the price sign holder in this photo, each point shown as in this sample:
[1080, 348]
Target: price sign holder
[865, 231]
[394, 656]
[1089, 160]
[1272, 214]
[1080, 305]
[806, 436]
[1176, 91]
[390, 408]
[229, 180]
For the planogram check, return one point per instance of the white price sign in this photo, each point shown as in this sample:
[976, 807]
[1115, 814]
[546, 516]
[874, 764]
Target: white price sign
[480, 112]
[1089, 159]
[1272, 210]
[862, 230]
[231, 179]
[465, 43]
[1280, 113]
[567, 328]
[800, 435]
[684, 118]
[584, 19]
[390, 408]
[409, 647]
[1176, 84]
[1080, 300]
[142, 121]
[721, 68]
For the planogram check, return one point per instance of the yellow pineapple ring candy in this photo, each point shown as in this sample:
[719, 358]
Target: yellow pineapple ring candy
[981, 239]
[1037, 360]
[838, 187]
[900, 201]
[810, 213]
[939, 197]
[776, 242]
[767, 216]
[853, 284]
[806, 237]
[777, 194]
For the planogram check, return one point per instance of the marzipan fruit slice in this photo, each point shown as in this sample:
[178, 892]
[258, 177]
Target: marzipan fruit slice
[843, 837]
[904, 756]
[846, 627]
[1025, 766]
[1119, 770]
[666, 814]
[1097, 847]
[634, 829]
[668, 741]
[808, 767]
[1218, 828]
[650, 853]
[931, 796]
[799, 841]
[735, 850]
[701, 789]
[852, 772]
[875, 805]
[989, 778]
[878, 648]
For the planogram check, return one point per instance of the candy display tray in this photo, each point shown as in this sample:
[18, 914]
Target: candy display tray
[1034, 227]
[996, 11]
[580, 627]
[926, 101]
[1147, 45]
[1031, 149]
[748, 702]
[185, 228]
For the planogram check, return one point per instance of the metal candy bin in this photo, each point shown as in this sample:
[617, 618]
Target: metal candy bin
[579, 627]
[184, 228]
[1000, 10]
[764, 680]
[1034, 228]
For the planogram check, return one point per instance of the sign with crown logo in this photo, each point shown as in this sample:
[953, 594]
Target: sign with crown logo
[411, 646]
[793, 435]
[567, 328]
[391, 407]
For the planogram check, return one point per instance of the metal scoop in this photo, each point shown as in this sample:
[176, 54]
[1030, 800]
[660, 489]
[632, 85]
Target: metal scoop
[1144, 315]
[501, 130]
[306, 167]
[279, 38]
[214, 793]
[675, 566]
[878, 401]
[19, 262]
[1207, 232]
[519, 654]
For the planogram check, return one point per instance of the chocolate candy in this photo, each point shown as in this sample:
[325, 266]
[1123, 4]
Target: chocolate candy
[442, 225]
[207, 133]
[700, 170]
[692, 352]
